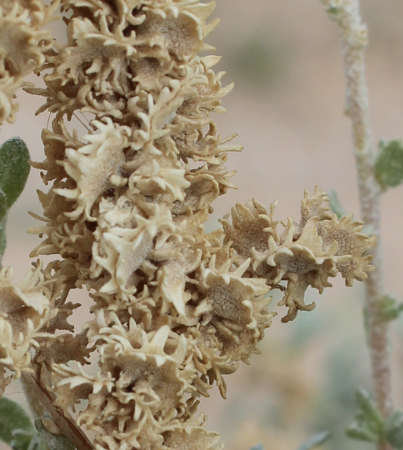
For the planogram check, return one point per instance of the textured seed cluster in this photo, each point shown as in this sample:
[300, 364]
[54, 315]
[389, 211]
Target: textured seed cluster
[23, 47]
[133, 164]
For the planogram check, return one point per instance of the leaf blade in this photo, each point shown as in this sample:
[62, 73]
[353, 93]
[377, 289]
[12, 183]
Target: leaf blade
[388, 168]
[14, 168]
[12, 418]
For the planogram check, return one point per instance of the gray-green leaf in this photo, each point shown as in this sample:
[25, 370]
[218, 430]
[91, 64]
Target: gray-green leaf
[358, 432]
[16, 428]
[368, 412]
[315, 441]
[257, 447]
[389, 164]
[389, 308]
[3, 204]
[368, 425]
[14, 168]
[394, 430]
[333, 10]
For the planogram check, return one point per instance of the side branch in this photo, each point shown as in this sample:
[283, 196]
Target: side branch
[354, 39]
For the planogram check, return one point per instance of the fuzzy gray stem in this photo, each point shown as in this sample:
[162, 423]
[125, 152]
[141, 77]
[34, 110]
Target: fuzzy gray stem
[354, 42]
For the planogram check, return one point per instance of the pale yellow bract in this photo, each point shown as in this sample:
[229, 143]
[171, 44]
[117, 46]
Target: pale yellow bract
[173, 308]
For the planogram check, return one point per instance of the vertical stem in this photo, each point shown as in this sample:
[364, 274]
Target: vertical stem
[354, 39]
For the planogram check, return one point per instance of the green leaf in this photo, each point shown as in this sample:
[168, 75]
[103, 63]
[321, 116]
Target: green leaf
[16, 428]
[368, 412]
[335, 204]
[355, 431]
[257, 447]
[35, 442]
[333, 10]
[315, 441]
[3, 204]
[389, 164]
[389, 308]
[394, 430]
[14, 168]
[368, 425]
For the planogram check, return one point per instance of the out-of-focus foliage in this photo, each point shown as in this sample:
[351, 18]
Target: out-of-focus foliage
[306, 383]
[390, 308]
[257, 60]
[257, 447]
[368, 424]
[394, 430]
[335, 401]
[315, 441]
[389, 164]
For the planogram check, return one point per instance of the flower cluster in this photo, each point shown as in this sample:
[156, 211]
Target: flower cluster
[24, 310]
[305, 254]
[23, 47]
[134, 163]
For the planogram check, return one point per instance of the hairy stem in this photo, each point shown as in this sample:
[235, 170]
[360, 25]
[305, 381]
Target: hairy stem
[354, 42]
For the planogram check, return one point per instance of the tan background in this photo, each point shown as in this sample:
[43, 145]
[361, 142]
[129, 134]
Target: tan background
[287, 108]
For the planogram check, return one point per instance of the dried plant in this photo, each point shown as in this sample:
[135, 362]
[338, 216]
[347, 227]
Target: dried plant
[133, 163]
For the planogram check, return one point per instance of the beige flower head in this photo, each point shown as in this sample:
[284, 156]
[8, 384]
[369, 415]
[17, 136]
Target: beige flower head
[191, 435]
[251, 227]
[303, 255]
[24, 310]
[23, 46]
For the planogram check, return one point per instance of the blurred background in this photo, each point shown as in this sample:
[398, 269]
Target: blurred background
[287, 108]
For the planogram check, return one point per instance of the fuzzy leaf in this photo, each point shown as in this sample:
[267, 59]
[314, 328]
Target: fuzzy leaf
[389, 308]
[368, 412]
[389, 164]
[315, 441]
[356, 431]
[394, 430]
[14, 168]
[16, 428]
[368, 425]
[333, 10]
[3, 204]
[257, 447]
[335, 204]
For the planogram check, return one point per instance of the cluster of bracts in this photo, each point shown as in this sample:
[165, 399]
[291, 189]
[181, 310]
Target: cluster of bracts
[133, 163]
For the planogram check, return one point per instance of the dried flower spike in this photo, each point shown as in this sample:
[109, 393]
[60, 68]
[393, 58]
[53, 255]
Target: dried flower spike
[134, 163]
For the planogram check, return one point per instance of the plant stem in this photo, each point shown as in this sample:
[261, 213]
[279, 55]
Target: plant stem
[354, 42]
